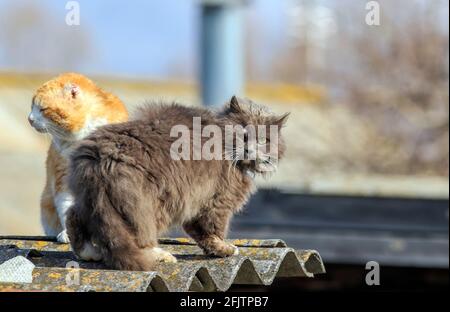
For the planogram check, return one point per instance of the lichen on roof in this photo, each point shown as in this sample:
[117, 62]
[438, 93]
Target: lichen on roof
[259, 263]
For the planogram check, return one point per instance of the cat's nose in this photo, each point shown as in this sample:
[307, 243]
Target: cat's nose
[31, 119]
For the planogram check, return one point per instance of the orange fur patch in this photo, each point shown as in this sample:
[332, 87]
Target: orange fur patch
[70, 113]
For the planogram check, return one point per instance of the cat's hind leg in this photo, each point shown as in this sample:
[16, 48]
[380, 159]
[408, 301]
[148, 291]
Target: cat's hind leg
[90, 252]
[49, 217]
[134, 258]
[80, 239]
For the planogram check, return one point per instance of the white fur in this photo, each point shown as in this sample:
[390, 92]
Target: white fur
[90, 253]
[89, 126]
[64, 147]
[63, 237]
[63, 201]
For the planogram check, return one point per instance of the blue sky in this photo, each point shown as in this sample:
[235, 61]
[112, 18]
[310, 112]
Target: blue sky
[146, 38]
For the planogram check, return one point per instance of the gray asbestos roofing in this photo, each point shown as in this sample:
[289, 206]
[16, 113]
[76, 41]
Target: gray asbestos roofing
[259, 263]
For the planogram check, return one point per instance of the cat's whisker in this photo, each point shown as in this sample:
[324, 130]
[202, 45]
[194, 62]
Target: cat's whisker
[60, 134]
[232, 163]
[47, 136]
[53, 129]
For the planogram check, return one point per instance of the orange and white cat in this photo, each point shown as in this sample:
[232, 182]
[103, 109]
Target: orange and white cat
[68, 107]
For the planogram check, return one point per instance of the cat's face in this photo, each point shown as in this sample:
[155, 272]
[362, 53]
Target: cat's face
[261, 139]
[62, 106]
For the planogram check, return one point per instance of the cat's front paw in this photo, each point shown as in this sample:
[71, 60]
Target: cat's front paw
[167, 257]
[222, 249]
[163, 256]
[63, 237]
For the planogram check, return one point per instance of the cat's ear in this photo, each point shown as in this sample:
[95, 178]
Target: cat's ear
[234, 104]
[281, 120]
[72, 89]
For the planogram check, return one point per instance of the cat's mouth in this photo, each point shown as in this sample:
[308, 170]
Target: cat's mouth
[261, 169]
[260, 166]
[39, 128]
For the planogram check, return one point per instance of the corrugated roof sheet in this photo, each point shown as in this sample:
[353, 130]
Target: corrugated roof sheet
[259, 262]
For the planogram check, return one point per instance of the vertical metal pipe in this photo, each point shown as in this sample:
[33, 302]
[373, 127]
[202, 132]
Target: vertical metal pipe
[222, 57]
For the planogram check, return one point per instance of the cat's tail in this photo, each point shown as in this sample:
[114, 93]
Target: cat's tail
[101, 214]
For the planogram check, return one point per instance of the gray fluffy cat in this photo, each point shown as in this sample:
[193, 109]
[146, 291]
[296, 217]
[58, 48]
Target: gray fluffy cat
[128, 189]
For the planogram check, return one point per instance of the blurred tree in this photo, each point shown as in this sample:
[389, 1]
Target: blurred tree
[310, 25]
[394, 77]
[401, 82]
[32, 39]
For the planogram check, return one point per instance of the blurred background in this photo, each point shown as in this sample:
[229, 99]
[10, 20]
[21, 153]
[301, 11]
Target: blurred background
[366, 172]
